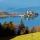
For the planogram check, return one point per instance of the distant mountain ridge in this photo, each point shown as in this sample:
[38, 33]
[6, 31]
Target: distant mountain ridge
[23, 9]
[18, 10]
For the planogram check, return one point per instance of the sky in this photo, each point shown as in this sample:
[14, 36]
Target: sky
[7, 4]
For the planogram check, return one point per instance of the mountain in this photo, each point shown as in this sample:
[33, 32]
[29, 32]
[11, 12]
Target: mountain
[23, 9]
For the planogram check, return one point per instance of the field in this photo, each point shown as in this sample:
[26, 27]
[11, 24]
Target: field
[31, 36]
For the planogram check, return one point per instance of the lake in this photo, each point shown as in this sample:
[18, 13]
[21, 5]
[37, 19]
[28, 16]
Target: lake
[29, 23]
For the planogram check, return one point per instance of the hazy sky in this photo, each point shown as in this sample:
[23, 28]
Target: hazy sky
[7, 4]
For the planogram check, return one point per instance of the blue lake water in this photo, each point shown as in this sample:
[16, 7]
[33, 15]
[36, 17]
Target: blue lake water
[30, 23]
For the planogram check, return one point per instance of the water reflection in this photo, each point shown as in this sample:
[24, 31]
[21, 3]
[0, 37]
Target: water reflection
[17, 20]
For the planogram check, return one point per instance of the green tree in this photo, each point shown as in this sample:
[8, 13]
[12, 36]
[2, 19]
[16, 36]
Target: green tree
[27, 30]
[22, 27]
[4, 25]
[11, 25]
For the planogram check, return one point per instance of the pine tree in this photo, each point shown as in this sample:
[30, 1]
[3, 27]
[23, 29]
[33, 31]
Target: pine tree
[22, 24]
[27, 30]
